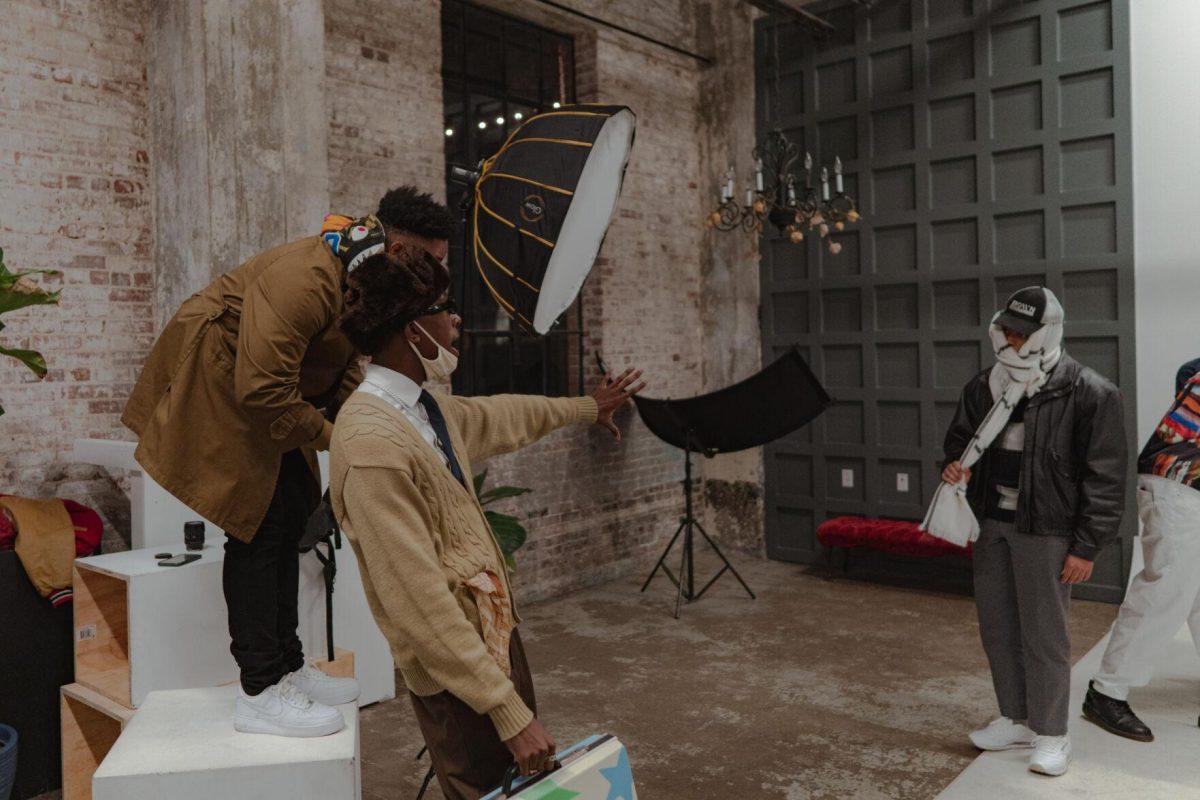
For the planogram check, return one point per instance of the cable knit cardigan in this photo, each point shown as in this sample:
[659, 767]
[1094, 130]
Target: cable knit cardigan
[419, 534]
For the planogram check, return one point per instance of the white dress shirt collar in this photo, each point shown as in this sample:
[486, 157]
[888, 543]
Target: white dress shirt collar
[394, 383]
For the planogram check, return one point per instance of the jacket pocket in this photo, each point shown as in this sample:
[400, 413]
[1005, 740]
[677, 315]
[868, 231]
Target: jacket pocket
[221, 349]
[1064, 479]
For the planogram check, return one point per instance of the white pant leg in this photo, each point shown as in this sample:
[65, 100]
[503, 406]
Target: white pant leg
[1164, 594]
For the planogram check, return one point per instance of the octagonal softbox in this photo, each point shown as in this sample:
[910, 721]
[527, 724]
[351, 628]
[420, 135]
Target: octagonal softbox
[543, 204]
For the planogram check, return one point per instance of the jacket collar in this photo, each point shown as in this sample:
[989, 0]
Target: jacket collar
[1061, 379]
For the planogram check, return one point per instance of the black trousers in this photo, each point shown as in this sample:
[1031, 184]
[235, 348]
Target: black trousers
[261, 581]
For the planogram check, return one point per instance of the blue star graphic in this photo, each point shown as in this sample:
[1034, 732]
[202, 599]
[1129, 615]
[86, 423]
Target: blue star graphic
[620, 778]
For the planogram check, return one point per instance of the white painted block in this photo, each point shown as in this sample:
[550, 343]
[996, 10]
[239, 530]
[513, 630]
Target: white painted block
[901, 481]
[848, 478]
[182, 745]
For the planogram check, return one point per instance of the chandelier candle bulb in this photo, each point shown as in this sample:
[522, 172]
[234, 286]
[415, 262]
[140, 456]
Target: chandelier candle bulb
[837, 174]
[749, 197]
[729, 182]
[758, 178]
[824, 183]
[808, 170]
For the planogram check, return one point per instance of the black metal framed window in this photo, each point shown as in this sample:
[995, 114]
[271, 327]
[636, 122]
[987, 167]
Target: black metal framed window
[498, 70]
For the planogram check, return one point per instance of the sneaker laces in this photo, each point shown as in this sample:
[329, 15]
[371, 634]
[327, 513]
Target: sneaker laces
[293, 695]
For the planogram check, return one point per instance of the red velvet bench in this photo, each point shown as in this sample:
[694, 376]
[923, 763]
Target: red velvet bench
[885, 535]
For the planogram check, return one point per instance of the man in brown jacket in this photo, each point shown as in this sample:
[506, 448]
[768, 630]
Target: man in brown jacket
[233, 403]
[400, 484]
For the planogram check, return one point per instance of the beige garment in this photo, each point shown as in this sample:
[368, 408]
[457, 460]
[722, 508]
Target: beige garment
[420, 536]
[45, 541]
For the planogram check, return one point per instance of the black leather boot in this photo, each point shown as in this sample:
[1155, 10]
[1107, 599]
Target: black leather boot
[1115, 716]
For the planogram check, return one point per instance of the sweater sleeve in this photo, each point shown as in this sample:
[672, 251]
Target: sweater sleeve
[389, 525]
[503, 423]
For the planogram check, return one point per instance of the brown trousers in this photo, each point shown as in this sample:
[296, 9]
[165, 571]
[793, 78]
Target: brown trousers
[465, 749]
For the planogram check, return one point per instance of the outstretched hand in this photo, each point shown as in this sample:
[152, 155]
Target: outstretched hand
[613, 394]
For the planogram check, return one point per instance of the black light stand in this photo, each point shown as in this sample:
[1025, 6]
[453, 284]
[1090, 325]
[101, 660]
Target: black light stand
[687, 525]
[772, 403]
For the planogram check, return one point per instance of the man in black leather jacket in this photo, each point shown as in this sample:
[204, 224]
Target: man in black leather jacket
[1049, 493]
[1075, 459]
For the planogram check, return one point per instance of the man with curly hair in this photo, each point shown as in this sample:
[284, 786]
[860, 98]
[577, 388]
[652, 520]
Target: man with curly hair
[435, 578]
[234, 401]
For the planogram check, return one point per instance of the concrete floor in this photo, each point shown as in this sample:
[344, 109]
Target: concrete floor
[825, 687]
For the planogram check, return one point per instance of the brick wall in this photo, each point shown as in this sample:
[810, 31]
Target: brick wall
[383, 95]
[76, 197]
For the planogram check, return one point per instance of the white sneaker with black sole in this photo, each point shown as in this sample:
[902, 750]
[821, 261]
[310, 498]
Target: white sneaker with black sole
[1003, 734]
[1051, 755]
[323, 688]
[285, 710]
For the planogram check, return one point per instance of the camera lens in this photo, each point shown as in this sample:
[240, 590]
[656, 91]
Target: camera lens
[193, 535]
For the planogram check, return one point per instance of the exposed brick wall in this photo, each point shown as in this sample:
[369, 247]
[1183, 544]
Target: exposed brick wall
[76, 195]
[383, 93]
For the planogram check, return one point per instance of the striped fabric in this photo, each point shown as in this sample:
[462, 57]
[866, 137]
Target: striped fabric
[1173, 451]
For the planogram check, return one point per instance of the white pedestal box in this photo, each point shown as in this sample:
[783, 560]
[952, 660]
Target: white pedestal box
[140, 627]
[157, 520]
[182, 745]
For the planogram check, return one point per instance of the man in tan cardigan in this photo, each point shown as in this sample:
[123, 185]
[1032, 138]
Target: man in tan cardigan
[231, 406]
[400, 484]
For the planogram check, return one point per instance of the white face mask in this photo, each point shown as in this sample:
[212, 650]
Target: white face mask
[436, 369]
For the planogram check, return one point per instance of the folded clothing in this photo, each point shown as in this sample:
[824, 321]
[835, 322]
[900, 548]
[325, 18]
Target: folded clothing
[48, 535]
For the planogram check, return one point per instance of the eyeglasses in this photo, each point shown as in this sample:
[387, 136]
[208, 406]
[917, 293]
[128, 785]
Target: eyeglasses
[449, 305]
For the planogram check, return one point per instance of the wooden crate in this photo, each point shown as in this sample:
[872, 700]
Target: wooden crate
[342, 665]
[91, 724]
[140, 627]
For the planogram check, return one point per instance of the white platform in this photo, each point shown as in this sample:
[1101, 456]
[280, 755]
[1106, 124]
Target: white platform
[157, 520]
[182, 745]
[1104, 765]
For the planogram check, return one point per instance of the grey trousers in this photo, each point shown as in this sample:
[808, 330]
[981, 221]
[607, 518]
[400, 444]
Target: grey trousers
[1022, 606]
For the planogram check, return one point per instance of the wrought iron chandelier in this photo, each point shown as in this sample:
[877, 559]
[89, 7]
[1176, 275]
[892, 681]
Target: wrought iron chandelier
[774, 195]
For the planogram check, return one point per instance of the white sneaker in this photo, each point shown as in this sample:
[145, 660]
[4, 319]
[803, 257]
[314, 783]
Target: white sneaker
[323, 688]
[1051, 755]
[1003, 734]
[285, 710]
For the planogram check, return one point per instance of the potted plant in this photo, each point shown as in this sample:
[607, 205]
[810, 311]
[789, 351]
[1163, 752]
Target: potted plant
[509, 532]
[17, 290]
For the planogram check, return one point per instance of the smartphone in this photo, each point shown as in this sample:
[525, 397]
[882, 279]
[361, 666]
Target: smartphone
[179, 560]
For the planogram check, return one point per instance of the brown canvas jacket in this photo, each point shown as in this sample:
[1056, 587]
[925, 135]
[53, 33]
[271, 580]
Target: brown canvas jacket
[238, 377]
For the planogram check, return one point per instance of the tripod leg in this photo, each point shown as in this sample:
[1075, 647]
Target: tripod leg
[684, 560]
[717, 550]
[663, 557]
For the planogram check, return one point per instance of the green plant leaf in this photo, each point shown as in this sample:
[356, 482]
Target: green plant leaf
[17, 293]
[30, 358]
[479, 479]
[510, 534]
[502, 493]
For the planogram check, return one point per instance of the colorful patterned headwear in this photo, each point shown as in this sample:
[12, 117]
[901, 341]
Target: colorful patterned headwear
[353, 240]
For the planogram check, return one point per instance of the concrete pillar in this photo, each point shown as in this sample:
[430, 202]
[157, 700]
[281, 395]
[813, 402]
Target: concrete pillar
[240, 134]
[729, 262]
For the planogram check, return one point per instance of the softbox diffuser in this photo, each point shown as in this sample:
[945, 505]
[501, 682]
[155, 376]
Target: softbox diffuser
[543, 204]
[766, 406]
